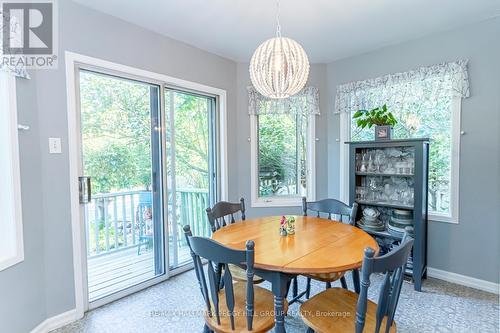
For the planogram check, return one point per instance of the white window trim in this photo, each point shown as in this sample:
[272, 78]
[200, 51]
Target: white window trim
[285, 201]
[16, 254]
[456, 132]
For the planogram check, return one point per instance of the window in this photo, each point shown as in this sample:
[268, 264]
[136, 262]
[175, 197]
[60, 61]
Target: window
[11, 240]
[282, 152]
[425, 105]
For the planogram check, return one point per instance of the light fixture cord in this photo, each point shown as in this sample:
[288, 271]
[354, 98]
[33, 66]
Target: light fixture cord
[278, 26]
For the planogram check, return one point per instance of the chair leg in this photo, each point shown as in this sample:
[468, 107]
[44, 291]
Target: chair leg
[308, 288]
[218, 272]
[355, 280]
[328, 285]
[343, 282]
[295, 287]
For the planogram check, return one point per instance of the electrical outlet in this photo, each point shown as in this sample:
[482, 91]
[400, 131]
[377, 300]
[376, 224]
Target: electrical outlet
[54, 145]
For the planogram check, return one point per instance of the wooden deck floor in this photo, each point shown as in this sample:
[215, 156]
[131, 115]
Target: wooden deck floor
[111, 273]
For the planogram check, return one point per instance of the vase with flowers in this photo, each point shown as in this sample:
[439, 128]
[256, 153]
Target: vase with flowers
[283, 226]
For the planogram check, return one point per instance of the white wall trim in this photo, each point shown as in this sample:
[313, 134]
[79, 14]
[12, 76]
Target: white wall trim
[13, 244]
[463, 280]
[345, 135]
[284, 201]
[56, 322]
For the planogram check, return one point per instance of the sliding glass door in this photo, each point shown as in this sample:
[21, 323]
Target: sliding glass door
[148, 168]
[122, 165]
[191, 167]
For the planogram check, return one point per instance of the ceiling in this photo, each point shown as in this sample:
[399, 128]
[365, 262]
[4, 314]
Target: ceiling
[327, 29]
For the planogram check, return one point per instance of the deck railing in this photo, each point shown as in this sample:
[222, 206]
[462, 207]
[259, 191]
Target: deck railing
[122, 220]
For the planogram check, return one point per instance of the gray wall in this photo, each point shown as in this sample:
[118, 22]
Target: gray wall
[317, 78]
[472, 247]
[43, 286]
[22, 298]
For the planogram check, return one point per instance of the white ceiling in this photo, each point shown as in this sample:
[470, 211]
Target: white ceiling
[328, 29]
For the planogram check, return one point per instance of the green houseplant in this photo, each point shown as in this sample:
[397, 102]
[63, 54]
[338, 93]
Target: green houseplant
[380, 117]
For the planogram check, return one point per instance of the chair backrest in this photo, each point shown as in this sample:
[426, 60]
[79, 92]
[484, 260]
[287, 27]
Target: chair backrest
[217, 254]
[331, 207]
[223, 212]
[393, 265]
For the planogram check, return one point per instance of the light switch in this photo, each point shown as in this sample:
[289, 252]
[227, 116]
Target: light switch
[54, 145]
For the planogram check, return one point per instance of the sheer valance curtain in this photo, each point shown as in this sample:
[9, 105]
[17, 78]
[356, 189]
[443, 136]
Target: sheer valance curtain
[304, 102]
[400, 90]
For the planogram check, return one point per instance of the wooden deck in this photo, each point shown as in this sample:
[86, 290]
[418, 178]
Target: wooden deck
[113, 272]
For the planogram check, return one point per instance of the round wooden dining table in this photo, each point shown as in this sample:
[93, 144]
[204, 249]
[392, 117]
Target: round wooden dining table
[318, 246]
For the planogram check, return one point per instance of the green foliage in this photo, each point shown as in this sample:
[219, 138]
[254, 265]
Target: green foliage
[282, 146]
[102, 237]
[379, 116]
[191, 138]
[116, 132]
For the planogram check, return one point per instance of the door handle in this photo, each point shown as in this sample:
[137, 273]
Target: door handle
[84, 189]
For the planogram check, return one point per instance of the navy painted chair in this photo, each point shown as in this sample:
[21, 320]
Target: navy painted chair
[239, 306]
[332, 209]
[369, 316]
[223, 214]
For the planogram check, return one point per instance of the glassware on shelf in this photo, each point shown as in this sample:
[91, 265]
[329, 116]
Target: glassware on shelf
[390, 169]
[400, 167]
[371, 165]
[359, 159]
[364, 162]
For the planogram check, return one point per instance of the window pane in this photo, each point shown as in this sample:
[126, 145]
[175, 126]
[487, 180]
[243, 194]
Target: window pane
[431, 117]
[282, 146]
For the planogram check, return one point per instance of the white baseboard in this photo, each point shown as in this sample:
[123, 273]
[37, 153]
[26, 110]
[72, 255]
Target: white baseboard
[56, 322]
[463, 280]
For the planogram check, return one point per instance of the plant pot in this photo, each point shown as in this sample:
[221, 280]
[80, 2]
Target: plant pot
[383, 133]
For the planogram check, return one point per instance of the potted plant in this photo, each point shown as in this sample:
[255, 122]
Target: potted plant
[383, 120]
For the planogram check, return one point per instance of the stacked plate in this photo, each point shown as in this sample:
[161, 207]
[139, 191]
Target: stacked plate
[371, 226]
[370, 220]
[399, 220]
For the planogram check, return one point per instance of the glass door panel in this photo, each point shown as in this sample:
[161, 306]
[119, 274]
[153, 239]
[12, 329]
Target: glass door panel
[121, 154]
[191, 175]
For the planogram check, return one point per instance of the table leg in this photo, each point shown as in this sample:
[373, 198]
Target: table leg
[279, 286]
[355, 280]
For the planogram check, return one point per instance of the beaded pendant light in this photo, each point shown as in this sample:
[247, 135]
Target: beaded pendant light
[279, 67]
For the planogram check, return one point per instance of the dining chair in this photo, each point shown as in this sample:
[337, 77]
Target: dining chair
[239, 306]
[223, 212]
[369, 316]
[333, 209]
[221, 215]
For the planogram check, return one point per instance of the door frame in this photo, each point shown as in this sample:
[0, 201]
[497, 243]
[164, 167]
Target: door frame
[73, 62]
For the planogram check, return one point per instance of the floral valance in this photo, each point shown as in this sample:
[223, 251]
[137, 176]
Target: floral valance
[400, 89]
[305, 102]
[15, 67]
